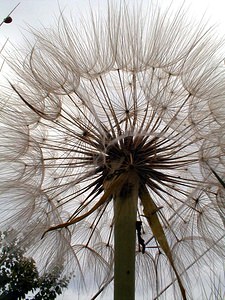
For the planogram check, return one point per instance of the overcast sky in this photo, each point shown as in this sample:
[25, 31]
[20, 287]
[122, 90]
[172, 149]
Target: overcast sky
[44, 12]
[37, 12]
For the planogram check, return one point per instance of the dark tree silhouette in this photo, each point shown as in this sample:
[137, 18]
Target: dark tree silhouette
[19, 274]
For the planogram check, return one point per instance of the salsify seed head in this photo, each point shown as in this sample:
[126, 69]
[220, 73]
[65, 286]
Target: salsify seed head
[136, 91]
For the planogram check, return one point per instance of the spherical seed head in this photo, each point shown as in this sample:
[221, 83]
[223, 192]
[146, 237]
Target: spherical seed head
[136, 92]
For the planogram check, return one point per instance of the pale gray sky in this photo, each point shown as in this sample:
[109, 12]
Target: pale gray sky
[37, 12]
[44, 12]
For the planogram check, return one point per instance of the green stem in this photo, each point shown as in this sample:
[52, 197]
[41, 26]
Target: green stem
[125, 214]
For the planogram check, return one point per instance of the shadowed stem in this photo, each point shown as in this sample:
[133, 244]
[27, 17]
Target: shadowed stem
[125, 213]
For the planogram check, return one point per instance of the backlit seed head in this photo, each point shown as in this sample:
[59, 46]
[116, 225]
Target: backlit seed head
[132, 92]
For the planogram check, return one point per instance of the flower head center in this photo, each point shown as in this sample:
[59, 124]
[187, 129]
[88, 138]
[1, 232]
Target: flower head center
[136, 153]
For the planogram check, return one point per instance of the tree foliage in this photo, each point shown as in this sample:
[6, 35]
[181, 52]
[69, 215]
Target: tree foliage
[19, 274]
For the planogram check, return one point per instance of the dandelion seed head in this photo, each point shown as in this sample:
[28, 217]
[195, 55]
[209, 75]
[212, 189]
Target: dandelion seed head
[134, 91]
